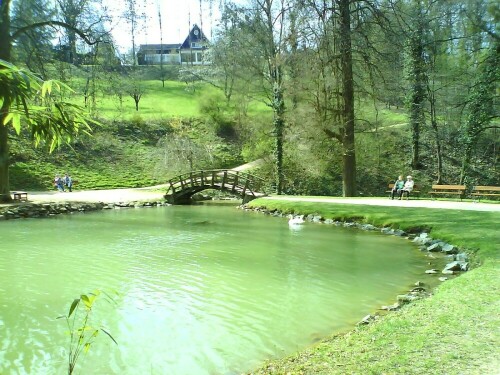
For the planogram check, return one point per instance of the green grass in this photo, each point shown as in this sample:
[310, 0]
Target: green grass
[176, 99]
[456, 331]
[173, 100]
[383, 116]
[101, 162]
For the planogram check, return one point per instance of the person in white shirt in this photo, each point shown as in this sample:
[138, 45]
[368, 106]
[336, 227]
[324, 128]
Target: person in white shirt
[407, 188]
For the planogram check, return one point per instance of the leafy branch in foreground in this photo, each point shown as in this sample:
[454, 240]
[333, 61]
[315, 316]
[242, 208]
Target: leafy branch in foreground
[39, 103]
[26, 100]
[82, 333]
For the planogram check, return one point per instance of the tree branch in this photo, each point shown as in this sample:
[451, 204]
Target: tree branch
[36, 25]
[479, 131]
[333, 134]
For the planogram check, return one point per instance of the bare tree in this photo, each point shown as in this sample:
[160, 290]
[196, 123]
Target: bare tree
[331, 34]
[261, 29]
[134, 15]
[162, 73]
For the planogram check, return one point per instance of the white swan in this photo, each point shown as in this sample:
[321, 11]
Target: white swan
[297, 220]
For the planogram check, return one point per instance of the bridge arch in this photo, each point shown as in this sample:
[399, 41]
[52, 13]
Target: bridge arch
[183, 187]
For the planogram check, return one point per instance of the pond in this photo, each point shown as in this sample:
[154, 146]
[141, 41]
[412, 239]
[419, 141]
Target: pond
[200, 289]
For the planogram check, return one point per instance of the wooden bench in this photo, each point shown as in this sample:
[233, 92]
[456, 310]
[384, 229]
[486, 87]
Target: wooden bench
[415, 191]
[485, 191]
[20, 195]
[448, 190]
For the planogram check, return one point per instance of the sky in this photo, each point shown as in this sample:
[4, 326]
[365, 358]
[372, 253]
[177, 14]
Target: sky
[177, 16]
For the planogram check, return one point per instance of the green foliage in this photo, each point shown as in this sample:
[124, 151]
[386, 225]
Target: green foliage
[480, 109]
[106, 160]
[38, 104]
[81, 331]
[214, 107]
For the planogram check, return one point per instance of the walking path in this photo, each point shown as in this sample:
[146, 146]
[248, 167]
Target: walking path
[157, 192]
[426, 203]
[105, 196]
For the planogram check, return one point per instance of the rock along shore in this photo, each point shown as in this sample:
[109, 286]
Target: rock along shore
[49, 209]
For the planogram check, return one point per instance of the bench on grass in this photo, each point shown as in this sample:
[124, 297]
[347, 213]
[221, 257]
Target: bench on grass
[415, 191]
[20, 195]
[448, 190]
[485, 191]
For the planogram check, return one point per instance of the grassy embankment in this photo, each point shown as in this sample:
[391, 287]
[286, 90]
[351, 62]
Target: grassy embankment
[157, 102]
[456, 331]
[123, 151]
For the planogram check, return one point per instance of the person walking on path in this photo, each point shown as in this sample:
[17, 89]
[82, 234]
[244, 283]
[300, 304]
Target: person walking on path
[68, 181]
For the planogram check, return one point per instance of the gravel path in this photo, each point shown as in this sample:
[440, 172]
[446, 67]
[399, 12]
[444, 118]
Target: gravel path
[157, 192]
[426, 203]
[106, 196]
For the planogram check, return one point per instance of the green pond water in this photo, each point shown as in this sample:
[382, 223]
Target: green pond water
[201, 289]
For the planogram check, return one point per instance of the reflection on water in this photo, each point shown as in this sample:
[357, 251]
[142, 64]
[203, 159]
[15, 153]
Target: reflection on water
[202, 290]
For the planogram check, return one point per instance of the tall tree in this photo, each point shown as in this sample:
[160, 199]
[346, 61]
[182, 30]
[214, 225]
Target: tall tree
[480, 107]
[55, 120]
[348, 152]
[34, 47]
[331, 30]
[223, 53]
[162, 73]
[262, 32]
[74, 13]
[416, 77]
[7, 98]
[134, 16]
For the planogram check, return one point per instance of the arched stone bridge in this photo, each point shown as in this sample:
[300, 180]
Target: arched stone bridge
[182, 187]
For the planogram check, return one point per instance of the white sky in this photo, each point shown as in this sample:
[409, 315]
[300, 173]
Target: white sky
[177, 15]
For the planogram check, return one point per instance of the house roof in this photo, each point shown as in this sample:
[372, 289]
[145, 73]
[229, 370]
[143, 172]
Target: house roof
[194, 36]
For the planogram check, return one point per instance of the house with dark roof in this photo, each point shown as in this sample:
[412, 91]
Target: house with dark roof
[190, 52]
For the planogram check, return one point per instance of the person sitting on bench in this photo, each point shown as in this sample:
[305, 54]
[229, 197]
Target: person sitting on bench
[407, 188]
[398, 185]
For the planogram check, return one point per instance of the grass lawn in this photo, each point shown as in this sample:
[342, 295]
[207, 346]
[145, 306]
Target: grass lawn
[157, 102]
[176, 99]
[456, 331]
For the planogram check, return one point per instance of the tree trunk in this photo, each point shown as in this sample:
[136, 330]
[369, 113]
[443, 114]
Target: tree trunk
[465, 164]
[72, 58]
[348, 145]
[4, 162]
[439, 157]
[5, 50]
[417, 82]
[279, 125]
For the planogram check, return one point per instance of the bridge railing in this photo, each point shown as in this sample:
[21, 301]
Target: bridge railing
[237, 182]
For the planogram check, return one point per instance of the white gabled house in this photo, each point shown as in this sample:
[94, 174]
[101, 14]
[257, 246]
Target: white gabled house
[191, 51]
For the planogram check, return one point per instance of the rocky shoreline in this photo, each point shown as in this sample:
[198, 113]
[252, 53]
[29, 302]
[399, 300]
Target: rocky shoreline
[456, 260]
[49, 209]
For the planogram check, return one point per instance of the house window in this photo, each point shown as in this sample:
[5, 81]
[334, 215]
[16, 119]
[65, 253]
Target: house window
[195, 45]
